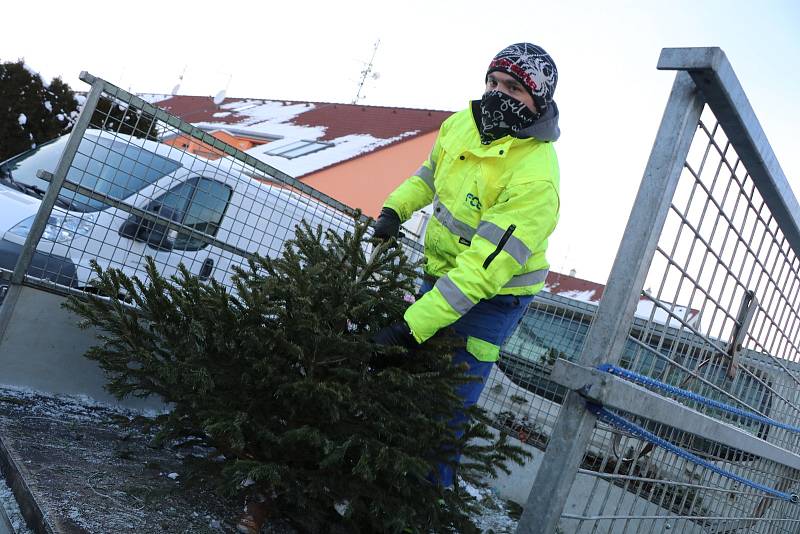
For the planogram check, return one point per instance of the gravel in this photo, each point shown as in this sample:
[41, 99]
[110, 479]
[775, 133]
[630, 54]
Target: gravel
[94, 469]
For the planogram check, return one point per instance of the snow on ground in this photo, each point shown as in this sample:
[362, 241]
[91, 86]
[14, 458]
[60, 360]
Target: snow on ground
[9, 504]
[93, 469]
[92, 466]
[77, 407]
[494, 513]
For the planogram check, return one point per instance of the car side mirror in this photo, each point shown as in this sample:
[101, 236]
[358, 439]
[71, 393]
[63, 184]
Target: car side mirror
[154, 234]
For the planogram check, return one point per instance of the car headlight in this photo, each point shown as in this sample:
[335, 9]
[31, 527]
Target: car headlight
[60, 227]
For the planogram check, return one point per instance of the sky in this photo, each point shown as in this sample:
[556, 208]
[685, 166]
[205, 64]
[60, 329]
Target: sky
[433, 55]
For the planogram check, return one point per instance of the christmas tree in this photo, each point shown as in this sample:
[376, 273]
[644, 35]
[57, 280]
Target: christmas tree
[280, 378]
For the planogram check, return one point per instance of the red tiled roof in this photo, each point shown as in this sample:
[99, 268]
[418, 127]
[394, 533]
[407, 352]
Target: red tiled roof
[381, 122]
[338, 119]
[197, 109]
[561, 283]
[571, 286]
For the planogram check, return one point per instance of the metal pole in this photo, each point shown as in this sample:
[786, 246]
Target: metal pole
[606, 339]
[50, 196]
[48, 201]
[714, 75]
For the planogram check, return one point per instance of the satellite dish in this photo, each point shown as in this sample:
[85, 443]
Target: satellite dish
[220, 97]
[175, 90]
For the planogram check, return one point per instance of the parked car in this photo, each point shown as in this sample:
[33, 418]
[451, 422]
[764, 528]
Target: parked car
[223, 198]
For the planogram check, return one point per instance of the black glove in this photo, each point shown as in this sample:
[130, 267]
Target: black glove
[387, 225]
[398, 334]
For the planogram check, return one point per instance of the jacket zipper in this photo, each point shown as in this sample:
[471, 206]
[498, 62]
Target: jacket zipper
[500, 246]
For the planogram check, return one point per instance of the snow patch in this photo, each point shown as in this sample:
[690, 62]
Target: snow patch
[22, 119]
[649, 311]
[342, 507]
[76, 404]
[345, 148]
[584, 296]
[12, 511]
[153, 98]
[48, 105]
[259, 111]
[493, 514]
[30, 70]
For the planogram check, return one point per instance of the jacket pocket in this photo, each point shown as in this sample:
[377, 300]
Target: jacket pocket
[482, 350]
[502, 243]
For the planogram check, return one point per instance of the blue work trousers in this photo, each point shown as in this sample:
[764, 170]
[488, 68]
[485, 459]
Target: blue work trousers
[491, 320]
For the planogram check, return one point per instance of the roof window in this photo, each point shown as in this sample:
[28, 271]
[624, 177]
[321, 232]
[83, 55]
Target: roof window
[297, 149]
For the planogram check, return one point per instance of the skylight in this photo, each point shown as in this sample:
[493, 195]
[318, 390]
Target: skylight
[297, 149]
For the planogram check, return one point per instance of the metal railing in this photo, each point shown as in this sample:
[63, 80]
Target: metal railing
[703, 296]
[703, 303]
[130, 182]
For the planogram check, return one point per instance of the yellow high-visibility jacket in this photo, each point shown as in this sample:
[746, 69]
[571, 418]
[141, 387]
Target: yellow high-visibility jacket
[494, 207]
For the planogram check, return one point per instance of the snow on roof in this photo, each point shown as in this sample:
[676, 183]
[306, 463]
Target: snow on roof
[153, 98]
[647, 309]
[343, 149]
[348, 130]
[575, 288]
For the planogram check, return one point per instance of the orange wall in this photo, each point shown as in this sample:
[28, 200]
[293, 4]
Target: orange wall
[199, 148]
[366, 181]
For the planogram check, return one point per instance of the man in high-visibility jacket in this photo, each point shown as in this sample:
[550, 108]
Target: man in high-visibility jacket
[493, 179]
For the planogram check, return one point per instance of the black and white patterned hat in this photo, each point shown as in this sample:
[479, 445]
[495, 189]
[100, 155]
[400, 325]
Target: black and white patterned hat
[532, 67]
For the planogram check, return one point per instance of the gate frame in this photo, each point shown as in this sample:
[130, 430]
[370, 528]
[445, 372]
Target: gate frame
[704, 76]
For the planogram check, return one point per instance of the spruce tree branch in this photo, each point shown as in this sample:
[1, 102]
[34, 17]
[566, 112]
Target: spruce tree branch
[376, 252]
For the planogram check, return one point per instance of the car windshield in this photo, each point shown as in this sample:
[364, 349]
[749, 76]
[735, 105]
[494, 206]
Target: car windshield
[106, 166]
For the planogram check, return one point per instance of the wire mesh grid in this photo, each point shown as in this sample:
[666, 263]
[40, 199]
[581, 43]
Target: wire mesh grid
[718, 317]
[520, 397]
[632, 486]
[143, 183]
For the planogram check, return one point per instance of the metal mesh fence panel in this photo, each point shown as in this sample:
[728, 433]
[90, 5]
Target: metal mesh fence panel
[132, 188]
[718, 317]
[519, 395]
[701, 314]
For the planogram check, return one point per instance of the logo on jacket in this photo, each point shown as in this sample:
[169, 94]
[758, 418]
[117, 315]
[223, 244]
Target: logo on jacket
[473, 201]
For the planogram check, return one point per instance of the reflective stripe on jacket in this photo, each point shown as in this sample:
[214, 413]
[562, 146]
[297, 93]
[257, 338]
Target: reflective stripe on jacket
[493, 208]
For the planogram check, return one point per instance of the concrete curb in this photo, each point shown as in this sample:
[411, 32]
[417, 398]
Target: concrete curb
[14, 474]
[5, 523]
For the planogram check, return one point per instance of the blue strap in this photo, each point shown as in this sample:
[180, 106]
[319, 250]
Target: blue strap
[620, 422]
[647, 381]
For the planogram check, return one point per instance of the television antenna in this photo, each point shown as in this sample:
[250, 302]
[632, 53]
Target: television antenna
[178, 85]
[367, 72]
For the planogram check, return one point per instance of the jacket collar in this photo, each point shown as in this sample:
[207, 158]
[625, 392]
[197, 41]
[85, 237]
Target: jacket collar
[544, 129]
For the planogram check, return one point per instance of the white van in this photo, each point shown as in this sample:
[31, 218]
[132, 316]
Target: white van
[221, 198]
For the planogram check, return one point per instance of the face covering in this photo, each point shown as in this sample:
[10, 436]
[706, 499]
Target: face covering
[503, 115]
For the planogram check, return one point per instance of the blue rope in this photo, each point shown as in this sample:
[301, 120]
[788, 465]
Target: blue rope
[620, 422]
[647, 381]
